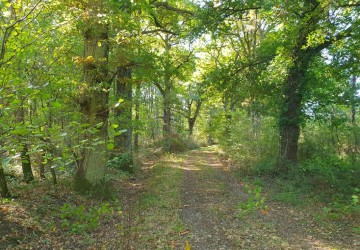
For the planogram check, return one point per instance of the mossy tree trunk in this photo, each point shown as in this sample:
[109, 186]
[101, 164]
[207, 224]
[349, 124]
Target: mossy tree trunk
[5, 193]
[26, 163]
[94, 99]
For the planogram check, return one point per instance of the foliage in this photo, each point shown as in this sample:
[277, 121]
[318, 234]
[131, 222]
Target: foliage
[79, 219]
[121, 162]
[256, 201]
[252, 145]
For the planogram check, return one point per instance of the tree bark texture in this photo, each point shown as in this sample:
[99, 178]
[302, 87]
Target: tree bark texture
[137, 118]
[5, 193]
[167, 117]
[26, 163]
[94, 99]
[192, 118]
[167, 103]
[123, 113]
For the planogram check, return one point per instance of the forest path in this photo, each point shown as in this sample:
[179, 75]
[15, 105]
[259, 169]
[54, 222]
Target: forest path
[210, 210]
[209, 196]
[176, 198]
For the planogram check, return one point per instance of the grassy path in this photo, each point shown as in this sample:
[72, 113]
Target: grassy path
[190, 197]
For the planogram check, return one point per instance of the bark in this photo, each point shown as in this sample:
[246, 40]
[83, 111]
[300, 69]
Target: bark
[42, 170]
[167, 103]
[290, 116]
[137, 118]
[26, 164]
[192, 118]
[5, 193]
[167, 118]
[123, 113]
[94, 100]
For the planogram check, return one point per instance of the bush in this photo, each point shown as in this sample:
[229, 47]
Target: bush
[330, 173]
[180, 144]
[122, 162]
[78, 219]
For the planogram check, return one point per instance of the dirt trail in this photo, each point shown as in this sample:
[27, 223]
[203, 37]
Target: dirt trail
[210, 195]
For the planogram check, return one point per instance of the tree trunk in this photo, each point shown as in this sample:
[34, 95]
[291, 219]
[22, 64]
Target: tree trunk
[290, 116]
[191, 124]
[5, 193]
[229, 106]
[94, 100]
[137, 118]
[192, 119]
[167, 119]
[123, 113]
[167, 102]
[26, 164]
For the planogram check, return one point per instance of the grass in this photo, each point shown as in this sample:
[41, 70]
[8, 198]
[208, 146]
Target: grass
[288, 197]
[160, 224]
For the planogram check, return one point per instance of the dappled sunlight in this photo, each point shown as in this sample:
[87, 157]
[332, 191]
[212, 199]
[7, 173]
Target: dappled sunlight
[188, 168]
[216, 165]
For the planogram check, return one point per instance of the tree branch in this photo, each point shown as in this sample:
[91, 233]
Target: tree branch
[162, 91]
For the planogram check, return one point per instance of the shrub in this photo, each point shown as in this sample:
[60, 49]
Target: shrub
[122, 162]
[78, 219]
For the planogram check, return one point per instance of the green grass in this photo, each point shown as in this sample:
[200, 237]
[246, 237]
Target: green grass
[289, 197]
[160, 223]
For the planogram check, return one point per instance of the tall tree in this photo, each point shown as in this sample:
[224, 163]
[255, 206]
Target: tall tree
[95, 95]
[311, 18]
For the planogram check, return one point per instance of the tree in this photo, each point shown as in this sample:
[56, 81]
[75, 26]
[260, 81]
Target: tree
[123, 116]
[193, 105]
[5, 193]
[94, 97]
[313, 15]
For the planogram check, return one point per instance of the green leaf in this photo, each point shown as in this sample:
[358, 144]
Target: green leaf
[110, 146]
[114, 125]
[56, 105]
